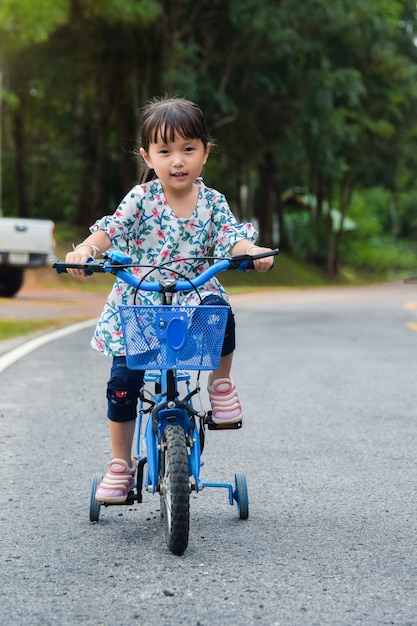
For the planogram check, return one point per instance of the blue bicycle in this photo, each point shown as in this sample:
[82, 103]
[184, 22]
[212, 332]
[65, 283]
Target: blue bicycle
[168, 341]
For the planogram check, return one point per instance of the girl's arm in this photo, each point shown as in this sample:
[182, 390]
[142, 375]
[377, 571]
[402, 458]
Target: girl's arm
[244, 246]
[93, 246]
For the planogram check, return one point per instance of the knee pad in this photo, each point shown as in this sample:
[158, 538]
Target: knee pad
[122, 398]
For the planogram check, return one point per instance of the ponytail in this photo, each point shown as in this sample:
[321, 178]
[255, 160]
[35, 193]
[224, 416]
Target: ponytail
[147, 175]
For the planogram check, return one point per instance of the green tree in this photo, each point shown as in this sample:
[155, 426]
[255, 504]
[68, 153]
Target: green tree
[82, 100]
[315, 96]
[21, 24]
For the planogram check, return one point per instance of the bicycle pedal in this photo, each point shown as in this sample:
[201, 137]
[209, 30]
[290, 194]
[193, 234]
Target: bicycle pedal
[224, 426]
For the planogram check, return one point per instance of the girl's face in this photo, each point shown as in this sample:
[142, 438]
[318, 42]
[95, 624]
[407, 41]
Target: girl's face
[177, 164]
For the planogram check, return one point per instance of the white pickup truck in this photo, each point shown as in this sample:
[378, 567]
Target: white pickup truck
[24, 243]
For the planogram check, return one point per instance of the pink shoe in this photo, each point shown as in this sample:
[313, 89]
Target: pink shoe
[225, 404]
[117, 482]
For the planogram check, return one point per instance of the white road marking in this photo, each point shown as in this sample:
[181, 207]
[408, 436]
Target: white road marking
[15, 355]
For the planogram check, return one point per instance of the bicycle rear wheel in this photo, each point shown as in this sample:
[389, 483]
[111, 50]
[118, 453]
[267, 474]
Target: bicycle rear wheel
[175, 489]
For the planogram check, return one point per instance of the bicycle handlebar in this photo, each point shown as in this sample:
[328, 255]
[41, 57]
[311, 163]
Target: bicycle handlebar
[119, 264]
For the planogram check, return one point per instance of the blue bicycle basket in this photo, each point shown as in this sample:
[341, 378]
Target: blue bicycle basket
[173, 337]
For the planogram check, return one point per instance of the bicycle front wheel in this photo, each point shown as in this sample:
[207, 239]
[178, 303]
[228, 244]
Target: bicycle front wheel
[174, 489]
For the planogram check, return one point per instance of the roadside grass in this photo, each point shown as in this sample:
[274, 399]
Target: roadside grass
[10, 328]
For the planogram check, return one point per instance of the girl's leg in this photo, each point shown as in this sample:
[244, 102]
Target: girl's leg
[225, 403]
[122, 394]
[123, 391]
[121, 437]
[224, 368]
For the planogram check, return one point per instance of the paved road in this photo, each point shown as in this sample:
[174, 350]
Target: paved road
[327, 379]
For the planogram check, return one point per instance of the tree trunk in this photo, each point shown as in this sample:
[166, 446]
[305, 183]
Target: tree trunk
[319, 196]
[280, 213]
[94, 197]
[267, 200]
[331, 247]
[395, 222]
[20, 162]
[100, 184]
[346, 192]
[83, 134]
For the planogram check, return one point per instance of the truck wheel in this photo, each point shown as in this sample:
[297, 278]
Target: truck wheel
[11, 279]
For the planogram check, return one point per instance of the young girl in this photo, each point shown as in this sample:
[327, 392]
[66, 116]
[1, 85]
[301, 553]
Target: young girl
[171, 216]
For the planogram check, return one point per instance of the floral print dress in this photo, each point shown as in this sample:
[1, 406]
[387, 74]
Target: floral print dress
[145, 228]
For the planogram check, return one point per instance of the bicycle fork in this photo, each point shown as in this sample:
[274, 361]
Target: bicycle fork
[170, 411]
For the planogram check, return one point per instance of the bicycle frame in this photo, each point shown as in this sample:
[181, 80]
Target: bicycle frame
[173, 434]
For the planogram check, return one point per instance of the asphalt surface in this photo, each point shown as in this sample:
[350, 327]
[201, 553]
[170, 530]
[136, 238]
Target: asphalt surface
[327, 380]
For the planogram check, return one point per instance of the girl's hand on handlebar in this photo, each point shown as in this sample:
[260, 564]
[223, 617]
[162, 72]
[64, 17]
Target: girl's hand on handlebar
[82, 255]
[264, 264]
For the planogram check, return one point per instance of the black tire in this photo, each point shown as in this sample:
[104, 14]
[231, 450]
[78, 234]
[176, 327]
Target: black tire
[241, 495]
[11, 280]
[94, 505]
[175, 489]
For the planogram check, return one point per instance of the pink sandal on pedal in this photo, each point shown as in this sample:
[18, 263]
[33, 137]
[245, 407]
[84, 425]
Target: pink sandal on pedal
[225, 403]
[116, 483]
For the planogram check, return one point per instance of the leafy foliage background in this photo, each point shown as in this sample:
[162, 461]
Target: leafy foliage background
[312, 105]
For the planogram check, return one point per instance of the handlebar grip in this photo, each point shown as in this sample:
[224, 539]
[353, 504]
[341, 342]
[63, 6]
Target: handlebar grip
[243, 262]
[248, 265]
[61, 267]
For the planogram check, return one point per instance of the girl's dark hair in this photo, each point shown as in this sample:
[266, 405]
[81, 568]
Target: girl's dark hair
[167, 117]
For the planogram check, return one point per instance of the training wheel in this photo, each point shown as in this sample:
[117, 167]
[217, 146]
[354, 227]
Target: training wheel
[94, 505]
[241, 495]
